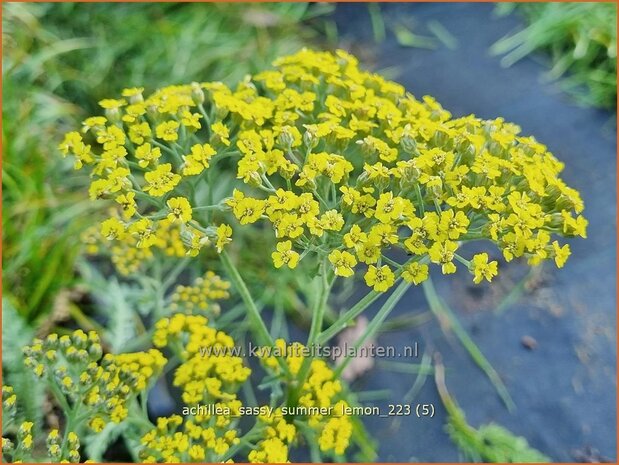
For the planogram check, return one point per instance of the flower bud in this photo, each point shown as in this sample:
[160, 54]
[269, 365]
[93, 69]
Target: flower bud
[434, 187]
[367, 148]
[9, 401]
[65, 342]
[285, 139]
[409, 144]
[24, 429]
[50, 355]
[93, 336]
[85, 379]
[435, 115]
[60, 373]
[310, 139]
[53, 437]
[92, 369]
[197, 94]
[27, 443]
[564, 203]
[66, 384]
[255, 179]
[221, 113]
[39, 370]
[441, 139]
[153, 113]
[113, 115]
[95, 352]
[73, 440]
[54, 452]
[74, 456]
[496, 150]
[72, 354]
[51, 341]
[79, 339]
[7, 446]
[287, 170]
[36, 348]
[107, 361]
[136, 98]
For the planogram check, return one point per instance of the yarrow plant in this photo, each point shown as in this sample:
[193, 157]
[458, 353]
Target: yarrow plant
[96, 390]
[340, 170]
[344, 165]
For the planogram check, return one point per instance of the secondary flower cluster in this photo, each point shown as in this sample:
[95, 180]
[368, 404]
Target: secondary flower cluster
[200, 296]
[196, 442]
[341, 162]
[103, 386]
[94, 389]
[321, 390]
[21, 447]
[210, 371]
[126, 251]
[278, 436]
[208, 374]
[24, 441]
[59, 450]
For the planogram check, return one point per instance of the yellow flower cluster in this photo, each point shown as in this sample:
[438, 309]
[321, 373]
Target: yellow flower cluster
[209, 374]
[341, 162]
[278, 436]
[103, 385]
[72, 447]
[23, 446]
[127, 252]
[9, 403]
[200, 296]
[59, 449]
[210, 370]
[321, 390]
[197, 442]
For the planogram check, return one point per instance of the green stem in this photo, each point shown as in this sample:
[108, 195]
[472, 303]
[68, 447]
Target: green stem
[167, 149]
[178, 269]
[58, 395]
[262, 333]
[318, 311]
[426, 363]
[257, 323]
[209, 198]
[207, 120]
[343, 321]
[321, 304]
[69, 426]
[444, 313]
[144, 425]
[456, 415]
[208, 207]
[391, 262]
[403, 367]
[256, 432]
[463, 260]
[420, 198]
[376, 322]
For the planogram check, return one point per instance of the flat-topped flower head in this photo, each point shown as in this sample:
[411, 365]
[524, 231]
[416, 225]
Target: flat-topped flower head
[342, 165]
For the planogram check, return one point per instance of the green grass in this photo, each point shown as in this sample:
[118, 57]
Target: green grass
[580, 41]
[490, 442]
[58, 61]
[39, 211]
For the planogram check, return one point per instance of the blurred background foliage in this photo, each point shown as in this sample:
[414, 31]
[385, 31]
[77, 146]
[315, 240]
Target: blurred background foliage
[578, 39]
